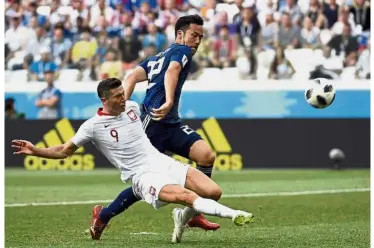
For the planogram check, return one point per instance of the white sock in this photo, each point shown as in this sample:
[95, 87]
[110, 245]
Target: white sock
[187, 214]
[211, 207]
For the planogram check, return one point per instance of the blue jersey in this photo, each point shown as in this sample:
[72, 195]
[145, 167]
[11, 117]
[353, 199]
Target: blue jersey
[156, 68]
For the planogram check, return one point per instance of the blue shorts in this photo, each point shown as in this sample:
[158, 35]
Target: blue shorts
[176, 138]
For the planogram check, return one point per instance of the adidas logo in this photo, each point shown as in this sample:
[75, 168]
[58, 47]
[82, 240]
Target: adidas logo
[62, 133]
[213, 134]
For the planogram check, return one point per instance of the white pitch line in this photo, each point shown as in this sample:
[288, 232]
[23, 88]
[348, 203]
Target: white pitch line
[35, 204]
[144, 233]
[310, 192]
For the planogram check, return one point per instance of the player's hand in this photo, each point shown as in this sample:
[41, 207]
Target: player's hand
[23, 147]
[161, 112]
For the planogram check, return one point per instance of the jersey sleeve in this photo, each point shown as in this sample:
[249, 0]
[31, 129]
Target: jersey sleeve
[84, 134]
[134, 106]
[144, 65]
[57, 93]
[182, 56]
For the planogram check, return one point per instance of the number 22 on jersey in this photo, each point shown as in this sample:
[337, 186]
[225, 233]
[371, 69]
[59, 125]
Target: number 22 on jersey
[155, 68]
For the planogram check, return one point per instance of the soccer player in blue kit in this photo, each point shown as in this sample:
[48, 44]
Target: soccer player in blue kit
[166, 73]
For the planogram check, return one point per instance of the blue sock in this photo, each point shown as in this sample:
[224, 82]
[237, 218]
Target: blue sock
[123, 201]
[207, 170]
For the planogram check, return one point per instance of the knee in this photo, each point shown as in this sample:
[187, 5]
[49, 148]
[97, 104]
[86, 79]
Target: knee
[215, 193]
[206, 158]
[187, 197]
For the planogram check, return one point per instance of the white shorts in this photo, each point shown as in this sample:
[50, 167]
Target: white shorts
[147, 185]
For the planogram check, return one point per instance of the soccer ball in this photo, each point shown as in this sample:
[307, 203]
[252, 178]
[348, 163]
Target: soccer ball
[321, 94]
[336, 154]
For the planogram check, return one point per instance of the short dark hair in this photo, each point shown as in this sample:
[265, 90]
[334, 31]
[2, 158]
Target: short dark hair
[59, 25]
[225, 26]
[104, 87]
[183, 23]
[49, 71]
[86, 29]
[9, 103]
[112, 50]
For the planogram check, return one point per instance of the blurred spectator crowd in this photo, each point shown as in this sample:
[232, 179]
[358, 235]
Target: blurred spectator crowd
[88, 40]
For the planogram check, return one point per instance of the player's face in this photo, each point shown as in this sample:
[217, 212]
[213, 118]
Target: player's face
[193, 36]
[116, 102]
[48, 78]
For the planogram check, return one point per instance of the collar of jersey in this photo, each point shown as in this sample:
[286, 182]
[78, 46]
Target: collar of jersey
[101, 113]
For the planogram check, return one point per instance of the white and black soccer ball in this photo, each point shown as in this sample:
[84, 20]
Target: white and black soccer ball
[336, 154]
[321, 93]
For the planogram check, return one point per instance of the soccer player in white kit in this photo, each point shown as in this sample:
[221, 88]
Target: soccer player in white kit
[116, 130]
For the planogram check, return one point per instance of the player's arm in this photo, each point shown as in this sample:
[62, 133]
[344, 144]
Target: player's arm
[171, 81]
[50, 102]
[136, 76]
[84, 134]
[54, 152]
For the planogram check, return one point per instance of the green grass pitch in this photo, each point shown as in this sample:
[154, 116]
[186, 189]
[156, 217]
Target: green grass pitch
[311, 220]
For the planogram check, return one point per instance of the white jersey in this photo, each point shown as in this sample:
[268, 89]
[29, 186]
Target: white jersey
[122, 140]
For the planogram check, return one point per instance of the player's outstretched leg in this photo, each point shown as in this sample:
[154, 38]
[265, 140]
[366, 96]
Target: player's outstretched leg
[196, 205]
[101, 215]
[204, 157]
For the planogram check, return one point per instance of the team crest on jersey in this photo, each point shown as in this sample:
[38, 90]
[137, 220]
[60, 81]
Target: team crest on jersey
[131, 114]
[152, 191]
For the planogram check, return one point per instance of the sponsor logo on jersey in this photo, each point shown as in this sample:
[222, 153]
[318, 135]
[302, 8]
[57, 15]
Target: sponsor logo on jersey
[62, 133]
[213, 134]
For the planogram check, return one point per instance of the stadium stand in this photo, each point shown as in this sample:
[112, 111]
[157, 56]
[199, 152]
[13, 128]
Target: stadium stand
[85, 40]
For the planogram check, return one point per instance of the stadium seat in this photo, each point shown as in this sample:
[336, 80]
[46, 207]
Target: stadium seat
[16, 60]
[229, 74]
[7, 76]
[318, 57]
[209, 73]
[302, 69]
[44, 10]
[262, 73]
[265, 58]
[230, 9]
[68, 75]
[222, 7]
[294, 55]
[301, 75]
[325, 36]
[333, 63]
[243, 65]
[19, 76]
[348, 73]
[64, 10]
[304, 5]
